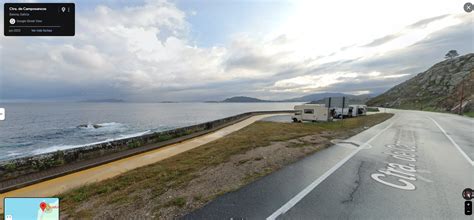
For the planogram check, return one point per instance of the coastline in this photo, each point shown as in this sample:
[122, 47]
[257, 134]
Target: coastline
[20, 172]
[63, 183]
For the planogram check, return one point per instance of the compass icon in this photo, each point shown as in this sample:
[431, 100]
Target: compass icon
[467, 194]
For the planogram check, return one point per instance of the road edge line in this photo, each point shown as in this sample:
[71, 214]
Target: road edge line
[298, 197]
[453, 142]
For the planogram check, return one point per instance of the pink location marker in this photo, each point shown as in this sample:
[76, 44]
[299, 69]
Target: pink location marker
[43, 205]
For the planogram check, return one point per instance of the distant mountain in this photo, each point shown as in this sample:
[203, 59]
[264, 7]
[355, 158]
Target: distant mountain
[244, 99]
[319, 98]
[439, 88]
[103, 100]
[313, 98]
[350, 99]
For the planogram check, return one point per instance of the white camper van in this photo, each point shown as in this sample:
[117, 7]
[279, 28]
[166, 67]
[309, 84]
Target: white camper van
[351, 111]
[361, 109]
[346, 112]
[311, 112]
[358, 110]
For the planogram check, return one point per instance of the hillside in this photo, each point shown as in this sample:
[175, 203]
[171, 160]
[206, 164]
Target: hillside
[438, 88]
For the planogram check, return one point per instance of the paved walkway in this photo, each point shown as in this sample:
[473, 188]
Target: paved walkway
[60, 184]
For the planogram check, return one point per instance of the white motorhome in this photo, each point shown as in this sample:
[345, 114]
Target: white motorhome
[361, 110]
[350, 111]
[356, 110]
[311, 112]
[346, 112]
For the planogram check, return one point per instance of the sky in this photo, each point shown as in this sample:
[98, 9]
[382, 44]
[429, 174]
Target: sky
[183, 50]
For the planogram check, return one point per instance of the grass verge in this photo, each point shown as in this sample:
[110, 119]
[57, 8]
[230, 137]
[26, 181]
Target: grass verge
[469, 114]
[373, 109]
[143, 188]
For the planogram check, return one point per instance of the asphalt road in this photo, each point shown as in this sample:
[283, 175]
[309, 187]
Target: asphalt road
[412, 166]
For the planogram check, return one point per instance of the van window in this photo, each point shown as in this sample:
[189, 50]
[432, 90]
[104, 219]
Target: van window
[308, 111]
[298, 112]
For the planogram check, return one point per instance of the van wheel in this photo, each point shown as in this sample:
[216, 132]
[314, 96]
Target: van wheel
[295, 120]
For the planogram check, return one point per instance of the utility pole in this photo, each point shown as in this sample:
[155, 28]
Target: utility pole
[343, 102]
[329, 108]
[462, 97]
[342, 111]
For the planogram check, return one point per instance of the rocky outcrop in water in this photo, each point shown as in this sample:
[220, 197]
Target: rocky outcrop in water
[90, 126]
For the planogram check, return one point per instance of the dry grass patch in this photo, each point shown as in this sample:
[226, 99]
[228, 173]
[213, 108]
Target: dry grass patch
[184, 182]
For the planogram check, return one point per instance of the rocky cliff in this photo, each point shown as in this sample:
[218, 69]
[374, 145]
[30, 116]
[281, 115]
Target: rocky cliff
[440, 88]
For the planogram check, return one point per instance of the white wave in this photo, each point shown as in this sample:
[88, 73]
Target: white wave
[110, 124]
[66, 147]
[12, 154]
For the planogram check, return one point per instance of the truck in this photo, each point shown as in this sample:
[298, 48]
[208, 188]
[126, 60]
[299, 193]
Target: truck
[311, 112]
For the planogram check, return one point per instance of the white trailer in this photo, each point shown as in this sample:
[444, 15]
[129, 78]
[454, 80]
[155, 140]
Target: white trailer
[311, 112]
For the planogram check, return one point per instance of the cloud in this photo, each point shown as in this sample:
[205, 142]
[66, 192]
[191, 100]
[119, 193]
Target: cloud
[382, 40]
[417, 25]
[145, 52]
[380, 71]
[423, 23]
[135, 50]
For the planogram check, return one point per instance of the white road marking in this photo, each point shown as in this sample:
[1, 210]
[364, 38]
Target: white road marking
[453, 142]
[293, 201]
[424, 178]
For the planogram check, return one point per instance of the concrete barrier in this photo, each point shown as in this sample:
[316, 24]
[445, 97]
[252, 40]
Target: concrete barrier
[92, 155]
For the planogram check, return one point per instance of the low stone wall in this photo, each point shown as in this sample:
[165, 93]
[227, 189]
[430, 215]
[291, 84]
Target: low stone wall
[22, 166]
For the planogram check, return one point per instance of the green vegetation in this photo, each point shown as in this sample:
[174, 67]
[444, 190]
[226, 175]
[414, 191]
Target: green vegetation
[469, 114]
[145, 185]
[373, 109]
[179, 201]
[10, 166]
[164, 137]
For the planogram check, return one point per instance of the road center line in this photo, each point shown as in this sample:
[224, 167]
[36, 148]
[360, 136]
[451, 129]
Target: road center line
[293, 201]
[453, 142]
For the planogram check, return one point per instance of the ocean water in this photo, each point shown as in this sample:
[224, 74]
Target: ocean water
[35, 128]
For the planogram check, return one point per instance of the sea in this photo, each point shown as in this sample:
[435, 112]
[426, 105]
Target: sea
[36, 128]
